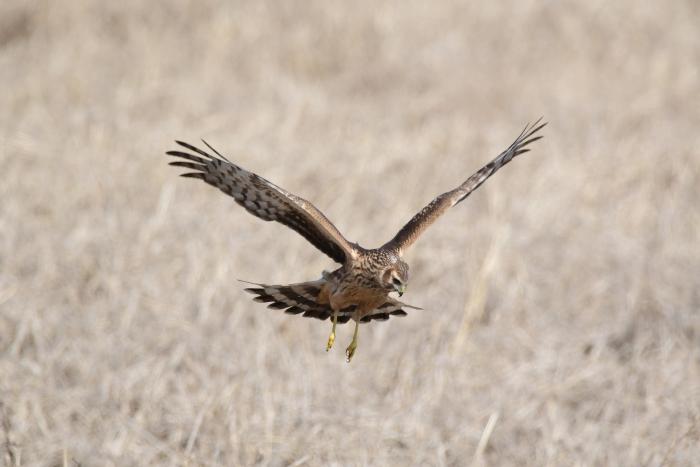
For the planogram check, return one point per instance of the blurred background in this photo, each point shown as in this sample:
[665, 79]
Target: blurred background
[562, 321]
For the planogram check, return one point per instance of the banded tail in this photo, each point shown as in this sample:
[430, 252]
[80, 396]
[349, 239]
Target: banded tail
[301, 299]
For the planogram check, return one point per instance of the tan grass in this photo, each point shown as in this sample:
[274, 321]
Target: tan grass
[126, 340]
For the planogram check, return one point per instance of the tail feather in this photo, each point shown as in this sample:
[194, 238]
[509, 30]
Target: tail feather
[302, 298]
[389, 308]
[294, 298]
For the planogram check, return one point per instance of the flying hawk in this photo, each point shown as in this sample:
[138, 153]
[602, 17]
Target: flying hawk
[359, 289]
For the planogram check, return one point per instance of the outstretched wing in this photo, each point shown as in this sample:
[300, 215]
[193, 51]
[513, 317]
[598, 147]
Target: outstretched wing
[410, 232]
[265, 199]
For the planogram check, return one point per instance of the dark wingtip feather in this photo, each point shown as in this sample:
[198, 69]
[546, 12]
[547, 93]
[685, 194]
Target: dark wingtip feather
[188, 156]
[215, 151]
[198, 175]
[185, 145]
[251, 283]
[532, 140]
[526, 137]
[195, 149]
[535, 127]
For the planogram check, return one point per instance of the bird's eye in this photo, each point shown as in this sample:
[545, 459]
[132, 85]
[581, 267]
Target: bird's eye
[396, 281]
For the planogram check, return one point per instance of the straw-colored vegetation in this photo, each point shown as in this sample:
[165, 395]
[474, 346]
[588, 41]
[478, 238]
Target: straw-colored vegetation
[562, 322]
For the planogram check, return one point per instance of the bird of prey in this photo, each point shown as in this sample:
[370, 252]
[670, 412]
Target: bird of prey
[359, 289]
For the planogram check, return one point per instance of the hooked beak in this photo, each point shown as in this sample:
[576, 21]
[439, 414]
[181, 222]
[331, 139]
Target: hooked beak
[401, 289]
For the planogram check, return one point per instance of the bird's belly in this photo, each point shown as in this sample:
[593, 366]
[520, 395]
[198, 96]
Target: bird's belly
[364, 299]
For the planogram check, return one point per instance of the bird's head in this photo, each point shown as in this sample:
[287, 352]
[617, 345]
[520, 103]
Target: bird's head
[395, 277]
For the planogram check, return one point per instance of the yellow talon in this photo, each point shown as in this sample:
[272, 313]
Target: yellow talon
[350, 351]
[331, 338]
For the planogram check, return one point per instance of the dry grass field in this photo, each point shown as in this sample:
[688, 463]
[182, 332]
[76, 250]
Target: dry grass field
[562, 299]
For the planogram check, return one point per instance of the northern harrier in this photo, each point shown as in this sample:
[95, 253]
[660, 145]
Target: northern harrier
[360, 288]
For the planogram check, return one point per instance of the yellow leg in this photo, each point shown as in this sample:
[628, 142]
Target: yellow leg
[350, 351]
[331, 338]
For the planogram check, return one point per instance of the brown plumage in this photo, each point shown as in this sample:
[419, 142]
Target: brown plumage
[359, 289]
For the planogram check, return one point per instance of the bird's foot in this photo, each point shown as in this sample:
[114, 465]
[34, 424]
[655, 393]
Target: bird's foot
[350, 351]
[331, 340]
